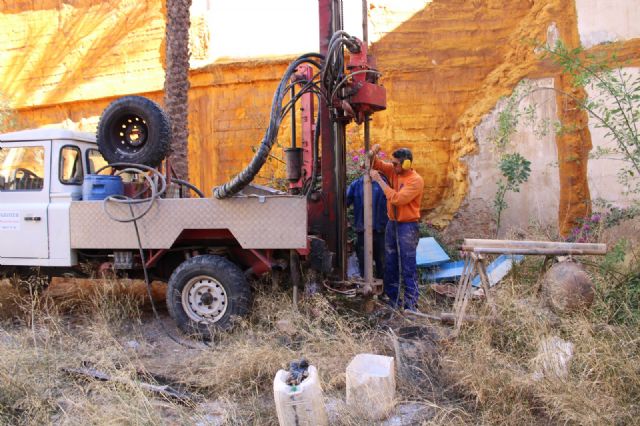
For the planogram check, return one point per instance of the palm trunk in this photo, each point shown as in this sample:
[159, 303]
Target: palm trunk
[176, 84]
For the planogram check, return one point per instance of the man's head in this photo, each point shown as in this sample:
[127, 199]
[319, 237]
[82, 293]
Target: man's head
[402, 160]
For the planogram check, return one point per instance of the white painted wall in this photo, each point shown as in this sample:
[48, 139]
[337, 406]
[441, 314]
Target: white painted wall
[538, 198]
[602, 172]
[601, 21]
[241, 29]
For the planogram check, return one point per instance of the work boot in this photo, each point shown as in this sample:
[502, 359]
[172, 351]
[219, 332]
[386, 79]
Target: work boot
[413, 309]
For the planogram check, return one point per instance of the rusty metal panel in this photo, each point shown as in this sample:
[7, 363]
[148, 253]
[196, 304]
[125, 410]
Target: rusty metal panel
[278, 222]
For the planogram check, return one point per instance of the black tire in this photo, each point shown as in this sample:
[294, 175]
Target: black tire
[134, 129]
[220, 279]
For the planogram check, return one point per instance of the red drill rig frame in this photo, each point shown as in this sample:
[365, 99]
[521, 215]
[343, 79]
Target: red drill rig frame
[355, 97]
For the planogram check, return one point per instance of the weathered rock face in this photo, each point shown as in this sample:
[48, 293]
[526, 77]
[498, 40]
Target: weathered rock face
[446, 63]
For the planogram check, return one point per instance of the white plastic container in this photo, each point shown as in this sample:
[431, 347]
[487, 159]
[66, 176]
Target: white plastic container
[371, 385]
[301, 405]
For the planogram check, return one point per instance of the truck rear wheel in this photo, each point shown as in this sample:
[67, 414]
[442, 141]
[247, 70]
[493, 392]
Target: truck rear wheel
[134, 129]
[205, 292]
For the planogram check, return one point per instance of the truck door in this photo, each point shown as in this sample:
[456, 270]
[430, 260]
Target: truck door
[24, 199]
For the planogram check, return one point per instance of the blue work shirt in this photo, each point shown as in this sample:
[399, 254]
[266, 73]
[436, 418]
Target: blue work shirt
[355, 196]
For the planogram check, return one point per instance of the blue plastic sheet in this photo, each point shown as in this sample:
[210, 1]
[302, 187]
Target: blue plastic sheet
[451, 271]
[429, 253]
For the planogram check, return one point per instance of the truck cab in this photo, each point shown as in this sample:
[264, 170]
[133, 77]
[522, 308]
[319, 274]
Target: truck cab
[41, 173]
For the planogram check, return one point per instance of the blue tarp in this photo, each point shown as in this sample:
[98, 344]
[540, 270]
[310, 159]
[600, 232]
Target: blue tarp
[429, 253]
[451, 271]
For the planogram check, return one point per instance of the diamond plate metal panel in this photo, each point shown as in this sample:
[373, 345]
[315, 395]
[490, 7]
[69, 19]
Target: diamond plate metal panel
[278, 222]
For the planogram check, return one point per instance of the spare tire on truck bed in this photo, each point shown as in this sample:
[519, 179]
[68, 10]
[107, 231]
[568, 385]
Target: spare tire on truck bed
[134, 129]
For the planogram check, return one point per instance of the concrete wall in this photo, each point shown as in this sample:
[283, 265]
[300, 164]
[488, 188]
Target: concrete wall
[605, 21]
[603, 172]
[538, 199]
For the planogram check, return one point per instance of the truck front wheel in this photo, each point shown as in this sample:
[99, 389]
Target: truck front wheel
[206, 292]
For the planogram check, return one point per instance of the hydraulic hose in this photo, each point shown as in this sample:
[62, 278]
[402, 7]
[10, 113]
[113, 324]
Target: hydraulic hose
[156, 191]
[243, 178]
[330, 75]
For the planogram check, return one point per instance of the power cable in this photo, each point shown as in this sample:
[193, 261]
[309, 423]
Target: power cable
[130, 202]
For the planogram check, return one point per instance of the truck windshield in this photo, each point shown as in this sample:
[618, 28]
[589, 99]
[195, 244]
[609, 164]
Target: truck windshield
[22, 168]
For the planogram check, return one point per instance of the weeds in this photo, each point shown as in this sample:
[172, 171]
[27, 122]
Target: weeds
[492, 365]
[515, 170]
[484, 377]
[614, 106]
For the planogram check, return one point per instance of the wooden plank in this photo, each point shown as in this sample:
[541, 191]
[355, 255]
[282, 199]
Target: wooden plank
[532, 251]
[471, 244]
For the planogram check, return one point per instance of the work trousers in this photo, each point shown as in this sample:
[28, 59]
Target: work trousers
[378, 253]
[403, 236]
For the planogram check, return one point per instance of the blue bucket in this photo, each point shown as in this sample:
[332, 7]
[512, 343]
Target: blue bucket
[99, 187]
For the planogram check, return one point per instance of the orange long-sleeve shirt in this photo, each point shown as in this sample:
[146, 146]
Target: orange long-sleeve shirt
[404, 192]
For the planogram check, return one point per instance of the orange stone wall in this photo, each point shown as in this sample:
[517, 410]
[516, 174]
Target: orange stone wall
[444, 68]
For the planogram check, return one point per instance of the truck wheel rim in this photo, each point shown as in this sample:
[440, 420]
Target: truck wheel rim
[131, 132]
[204, 299]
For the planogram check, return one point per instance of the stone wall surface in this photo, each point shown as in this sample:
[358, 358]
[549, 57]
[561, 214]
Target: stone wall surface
[56, 51]
[445, 64]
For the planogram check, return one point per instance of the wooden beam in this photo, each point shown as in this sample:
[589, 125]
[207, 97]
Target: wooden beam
[532, 247]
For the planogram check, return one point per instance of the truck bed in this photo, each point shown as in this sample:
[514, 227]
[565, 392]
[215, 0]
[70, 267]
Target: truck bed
[272, 222]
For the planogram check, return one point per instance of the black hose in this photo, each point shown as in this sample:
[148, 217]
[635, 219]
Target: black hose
[330, 75]
[243, 178]
[148, 285]
[155, 194]
[190, 186]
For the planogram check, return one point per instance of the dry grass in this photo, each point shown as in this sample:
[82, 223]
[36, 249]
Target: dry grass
[492, 365]
[484, 377]
[39, 343]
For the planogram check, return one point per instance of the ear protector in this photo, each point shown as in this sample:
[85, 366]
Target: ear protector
[405, 156]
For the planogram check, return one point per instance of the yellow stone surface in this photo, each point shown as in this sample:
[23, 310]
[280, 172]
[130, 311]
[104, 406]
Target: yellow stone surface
[444, 68]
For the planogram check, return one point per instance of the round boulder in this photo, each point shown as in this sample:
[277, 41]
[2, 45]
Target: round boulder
[567, 287]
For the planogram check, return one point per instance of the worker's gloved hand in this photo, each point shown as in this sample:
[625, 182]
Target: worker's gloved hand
[375, 176]
[373, 152]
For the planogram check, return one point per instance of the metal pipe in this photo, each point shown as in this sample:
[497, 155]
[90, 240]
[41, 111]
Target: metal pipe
[293, 117]
[365, 23]
[532, 247]
[368, 214]
[340, 173]
[368, 195]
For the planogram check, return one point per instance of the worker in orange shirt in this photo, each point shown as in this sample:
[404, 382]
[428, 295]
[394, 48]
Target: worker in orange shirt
[404, 195]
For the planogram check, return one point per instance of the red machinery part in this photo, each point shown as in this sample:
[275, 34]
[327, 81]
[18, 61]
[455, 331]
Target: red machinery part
[366, 95]
[307, 113]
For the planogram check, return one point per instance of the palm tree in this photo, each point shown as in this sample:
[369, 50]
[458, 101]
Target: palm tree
[176, 83]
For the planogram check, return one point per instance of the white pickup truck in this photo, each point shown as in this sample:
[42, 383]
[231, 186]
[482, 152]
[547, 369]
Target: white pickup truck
[205, 247]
